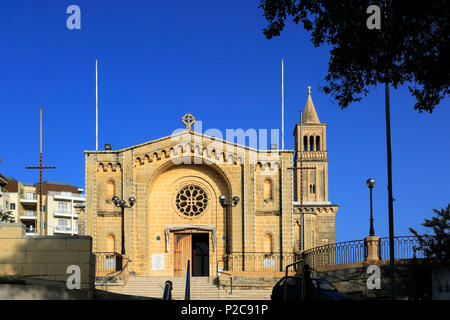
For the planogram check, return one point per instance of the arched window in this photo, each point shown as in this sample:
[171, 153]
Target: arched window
[305, 143]
[311, 143]
[268, 243]
[110, 189]
[314, 188]
[110, 243]
[267, 192]
[318, 143]
[310, 188]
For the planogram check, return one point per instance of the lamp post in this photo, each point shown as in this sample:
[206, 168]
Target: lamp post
[371, 183]
[224, 204]
[122, 204]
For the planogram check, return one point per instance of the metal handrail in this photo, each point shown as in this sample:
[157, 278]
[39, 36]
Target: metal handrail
[168, 286]
[105, 281]
[286, 276]
[187, 293]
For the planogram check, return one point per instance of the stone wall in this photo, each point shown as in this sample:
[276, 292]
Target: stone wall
[45, 258]
[413, 279]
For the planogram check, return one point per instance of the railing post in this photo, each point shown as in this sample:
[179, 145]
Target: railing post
[167, 290]
[187, 294]
[371, 243]
[306, 282]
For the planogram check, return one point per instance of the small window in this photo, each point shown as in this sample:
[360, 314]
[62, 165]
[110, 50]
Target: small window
[268, 243]
[62, 207]
[305, 143]
[12, 206]
[62, 223]
[110, 190]
[267, 192]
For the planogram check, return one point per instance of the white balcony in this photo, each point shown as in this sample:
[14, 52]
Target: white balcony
[64, 230]
[68, 196]
[28, 216]
[30, 231]
[28, 201]
[65, 214]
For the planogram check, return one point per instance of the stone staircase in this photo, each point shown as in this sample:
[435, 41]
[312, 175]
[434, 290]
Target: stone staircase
[202, 288]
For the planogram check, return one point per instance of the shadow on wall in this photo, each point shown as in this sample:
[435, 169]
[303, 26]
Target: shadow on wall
[413, 279]
[35, 267]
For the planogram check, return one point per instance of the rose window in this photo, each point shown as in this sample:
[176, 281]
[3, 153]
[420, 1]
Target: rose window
[191, 200]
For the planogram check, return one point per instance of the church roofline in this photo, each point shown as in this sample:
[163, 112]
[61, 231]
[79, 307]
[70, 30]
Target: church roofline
[180, 134]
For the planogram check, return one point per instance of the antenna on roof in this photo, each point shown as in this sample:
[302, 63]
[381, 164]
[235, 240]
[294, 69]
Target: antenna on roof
[96, 106]
[282, 104]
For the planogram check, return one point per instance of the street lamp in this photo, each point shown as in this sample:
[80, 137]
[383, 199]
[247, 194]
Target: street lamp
[371, 183]
[122, 204]
[224, 204]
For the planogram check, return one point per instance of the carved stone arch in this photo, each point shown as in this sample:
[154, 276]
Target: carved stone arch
[276, 166]
[137, 161]
[202, 160]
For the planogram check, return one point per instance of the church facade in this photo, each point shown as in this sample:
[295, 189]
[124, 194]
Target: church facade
[214, 203]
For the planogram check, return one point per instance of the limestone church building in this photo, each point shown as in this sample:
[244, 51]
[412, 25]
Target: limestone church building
[264, 220]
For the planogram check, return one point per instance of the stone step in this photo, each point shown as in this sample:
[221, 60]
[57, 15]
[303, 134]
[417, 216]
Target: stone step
[202, 288]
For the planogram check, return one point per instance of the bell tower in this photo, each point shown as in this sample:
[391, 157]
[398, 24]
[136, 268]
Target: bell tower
[311, 141]
[314, 215]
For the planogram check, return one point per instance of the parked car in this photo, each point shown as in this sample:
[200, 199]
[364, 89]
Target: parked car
[321, 289]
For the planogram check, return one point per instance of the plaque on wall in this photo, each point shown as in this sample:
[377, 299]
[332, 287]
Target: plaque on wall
[157, 261]
[268, 263]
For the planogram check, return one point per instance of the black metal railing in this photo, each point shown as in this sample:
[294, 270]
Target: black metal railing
[258, 261]
[404, 248]
[336, 253]
[356, 251]
[106, 262]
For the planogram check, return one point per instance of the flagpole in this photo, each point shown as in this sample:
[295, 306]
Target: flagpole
[282, 103]
[96, 106]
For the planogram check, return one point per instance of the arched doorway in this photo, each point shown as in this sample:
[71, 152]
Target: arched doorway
[181, 196]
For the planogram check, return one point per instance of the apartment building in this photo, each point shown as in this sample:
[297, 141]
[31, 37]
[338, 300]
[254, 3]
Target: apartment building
[7, 201]
[60, 206]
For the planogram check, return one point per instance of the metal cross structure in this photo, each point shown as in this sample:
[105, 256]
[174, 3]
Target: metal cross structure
[301, 168]
[188, 120]
[40, 167]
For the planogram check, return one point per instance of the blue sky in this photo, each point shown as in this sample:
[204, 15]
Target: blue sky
[161, 59]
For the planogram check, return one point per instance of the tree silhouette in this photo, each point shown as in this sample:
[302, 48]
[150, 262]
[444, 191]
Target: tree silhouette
[6, 216]
[436, 246]
[411, 47]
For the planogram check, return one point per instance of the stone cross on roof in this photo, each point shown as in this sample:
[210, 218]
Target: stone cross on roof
[188, 120]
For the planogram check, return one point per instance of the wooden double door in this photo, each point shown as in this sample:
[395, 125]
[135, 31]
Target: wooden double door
[193, 247]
